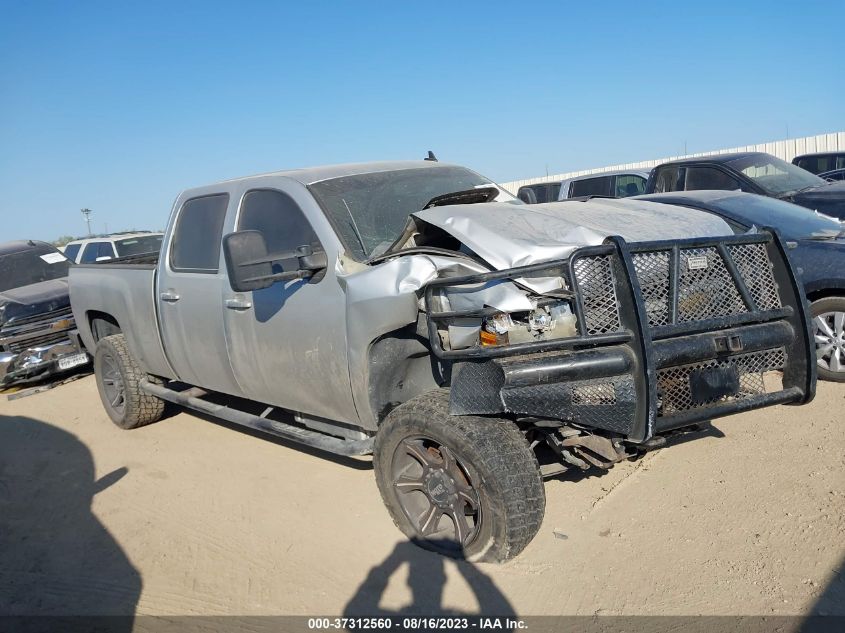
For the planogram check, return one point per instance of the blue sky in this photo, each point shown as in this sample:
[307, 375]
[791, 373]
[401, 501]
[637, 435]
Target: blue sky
[118, 106]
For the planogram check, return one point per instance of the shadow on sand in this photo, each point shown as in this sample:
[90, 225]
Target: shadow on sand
[426, 581]
[56, 558]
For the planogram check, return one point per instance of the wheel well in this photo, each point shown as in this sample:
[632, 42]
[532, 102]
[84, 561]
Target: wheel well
[401, 366]
[102, 325]
[824, 293]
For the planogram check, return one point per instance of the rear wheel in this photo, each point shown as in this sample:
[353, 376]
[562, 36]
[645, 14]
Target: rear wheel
[463, 486]
[118, 381]
[829, 333]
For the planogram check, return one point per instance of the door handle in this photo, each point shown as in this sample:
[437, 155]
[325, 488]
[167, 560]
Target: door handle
[238, 304]
[169, 296]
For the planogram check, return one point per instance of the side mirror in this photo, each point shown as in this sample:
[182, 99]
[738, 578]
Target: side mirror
[251, 268]
[245, 253]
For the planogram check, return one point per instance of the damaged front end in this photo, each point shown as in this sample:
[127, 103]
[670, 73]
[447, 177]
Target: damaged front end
[620, 344]
[37, 346]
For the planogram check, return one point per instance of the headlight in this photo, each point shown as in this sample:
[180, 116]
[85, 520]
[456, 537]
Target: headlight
[550, 321]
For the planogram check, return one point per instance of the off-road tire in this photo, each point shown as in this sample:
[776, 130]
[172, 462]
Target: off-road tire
[504, 469]
[139, 408]
[822, 306]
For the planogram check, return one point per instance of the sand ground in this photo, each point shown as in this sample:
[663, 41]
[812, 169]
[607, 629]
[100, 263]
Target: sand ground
[189, 516]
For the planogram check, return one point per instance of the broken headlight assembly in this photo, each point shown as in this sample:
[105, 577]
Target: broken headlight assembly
[552, 320]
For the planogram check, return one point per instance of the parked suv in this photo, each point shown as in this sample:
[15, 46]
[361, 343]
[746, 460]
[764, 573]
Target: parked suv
[820, 163]
[752, 172]
[98, 249]
[613, 184]
[38, 336]
[472, 344]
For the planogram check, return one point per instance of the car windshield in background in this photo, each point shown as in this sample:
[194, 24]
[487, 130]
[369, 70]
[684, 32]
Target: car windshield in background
[138, 245]
[790, 219]
[775, 176]
[31, 266]
[370, 210]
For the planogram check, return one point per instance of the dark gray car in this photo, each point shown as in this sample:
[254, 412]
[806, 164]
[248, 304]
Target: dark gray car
[816, 246]
[752, 172]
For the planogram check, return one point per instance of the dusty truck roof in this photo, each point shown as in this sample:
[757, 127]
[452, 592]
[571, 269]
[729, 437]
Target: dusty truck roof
[310, 175]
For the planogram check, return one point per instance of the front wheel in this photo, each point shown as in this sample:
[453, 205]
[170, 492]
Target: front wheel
[118, 381]
[829, 333]
[464, 486]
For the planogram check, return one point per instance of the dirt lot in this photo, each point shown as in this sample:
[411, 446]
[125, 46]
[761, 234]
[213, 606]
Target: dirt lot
[188, 516]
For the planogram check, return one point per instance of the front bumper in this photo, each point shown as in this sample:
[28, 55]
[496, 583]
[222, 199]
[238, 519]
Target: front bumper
[37, 362]
[658, 356]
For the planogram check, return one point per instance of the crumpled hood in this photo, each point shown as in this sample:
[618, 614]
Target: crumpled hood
[828, 199]
[27, 301]
[507, 235]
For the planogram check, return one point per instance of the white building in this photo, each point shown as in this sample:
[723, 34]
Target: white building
[787, 150]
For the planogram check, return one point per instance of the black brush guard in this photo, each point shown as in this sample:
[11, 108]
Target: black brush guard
[669, 333]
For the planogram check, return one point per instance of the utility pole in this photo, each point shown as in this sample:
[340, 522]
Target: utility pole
[87, 214]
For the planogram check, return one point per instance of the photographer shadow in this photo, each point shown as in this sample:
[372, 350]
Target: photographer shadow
[426, 581]
[56, 558]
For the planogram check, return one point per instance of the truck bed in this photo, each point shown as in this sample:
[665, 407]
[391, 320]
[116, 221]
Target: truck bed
[124, 289]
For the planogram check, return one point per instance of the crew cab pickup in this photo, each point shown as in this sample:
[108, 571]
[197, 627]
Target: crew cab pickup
[472, 344]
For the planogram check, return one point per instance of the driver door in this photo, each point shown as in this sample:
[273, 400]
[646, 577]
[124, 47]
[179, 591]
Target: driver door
[287, 343]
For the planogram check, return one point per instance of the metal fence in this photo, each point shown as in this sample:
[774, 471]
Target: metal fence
[787, 150]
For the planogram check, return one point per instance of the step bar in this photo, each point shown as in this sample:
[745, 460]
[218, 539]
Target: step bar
[192, 399]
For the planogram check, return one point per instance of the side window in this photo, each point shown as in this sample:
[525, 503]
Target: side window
[591, 187]
[198, 233]
[808, 163]
[824, 163]
[91, 252]
[629, 185]
[72, 251]
[554, 191]
[710, 178]
[105, 250]
[666, 179]
[527, 195]
[279, 219]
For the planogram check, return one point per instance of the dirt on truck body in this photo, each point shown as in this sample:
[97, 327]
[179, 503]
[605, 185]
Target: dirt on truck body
[473, 344]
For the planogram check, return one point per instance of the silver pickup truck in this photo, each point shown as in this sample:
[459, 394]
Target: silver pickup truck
[474, 345]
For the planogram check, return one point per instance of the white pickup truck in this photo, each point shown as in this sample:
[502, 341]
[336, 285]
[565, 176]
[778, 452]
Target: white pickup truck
[472, 344]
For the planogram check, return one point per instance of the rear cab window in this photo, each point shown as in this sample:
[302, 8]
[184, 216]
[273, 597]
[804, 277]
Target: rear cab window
[138, 245]
[195, 246]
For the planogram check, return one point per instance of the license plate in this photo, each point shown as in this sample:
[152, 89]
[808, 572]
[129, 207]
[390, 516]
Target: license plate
[713, 383]
[73, 360]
